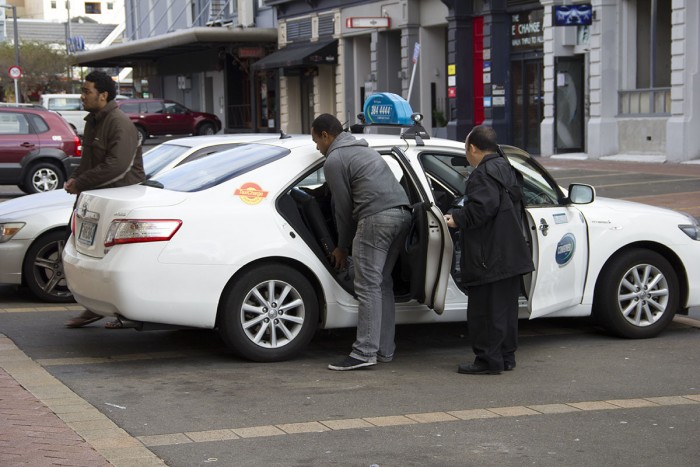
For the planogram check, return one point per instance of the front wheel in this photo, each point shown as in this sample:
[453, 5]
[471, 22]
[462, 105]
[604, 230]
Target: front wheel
[43, 269]
[637, 294]
[269, 314]
[142, 136]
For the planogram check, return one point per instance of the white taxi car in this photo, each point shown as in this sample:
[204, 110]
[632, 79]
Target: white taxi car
[239, 242]
[33, 227]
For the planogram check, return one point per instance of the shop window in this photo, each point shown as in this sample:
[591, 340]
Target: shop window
[93, 8]
[649, 87]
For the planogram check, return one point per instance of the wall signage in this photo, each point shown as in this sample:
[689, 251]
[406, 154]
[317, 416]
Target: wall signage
[368, 22]
[526, 30]
[572, 15]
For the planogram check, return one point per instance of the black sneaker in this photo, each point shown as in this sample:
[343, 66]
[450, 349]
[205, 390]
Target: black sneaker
[349, 363]
[508, 366]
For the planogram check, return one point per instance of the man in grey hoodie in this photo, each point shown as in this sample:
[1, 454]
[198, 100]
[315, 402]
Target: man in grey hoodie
[372, 215]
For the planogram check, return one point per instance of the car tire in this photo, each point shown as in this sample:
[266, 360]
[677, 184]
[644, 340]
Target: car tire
[143, 135]
[262, 329]
[42, 270]
[206, 129]
[42, 177]
[637, 294]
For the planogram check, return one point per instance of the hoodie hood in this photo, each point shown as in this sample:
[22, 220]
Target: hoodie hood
[344, 140]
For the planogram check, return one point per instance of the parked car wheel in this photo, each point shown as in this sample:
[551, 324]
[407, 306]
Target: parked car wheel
[206, 129]
[143, 135]
[41, 177]
[637, 294]
[43, 269]
[270, 314]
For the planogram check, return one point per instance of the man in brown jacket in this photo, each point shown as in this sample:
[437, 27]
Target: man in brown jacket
[111, 152]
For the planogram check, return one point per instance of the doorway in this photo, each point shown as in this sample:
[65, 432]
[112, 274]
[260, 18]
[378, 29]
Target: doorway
[568, 97]
[527, 100]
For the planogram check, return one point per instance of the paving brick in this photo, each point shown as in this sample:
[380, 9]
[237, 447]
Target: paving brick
[346, 424]
[593, 405]
[553, 408]
[671, 400]
[517, 411]
[433, 417]
[473, 414]
[390, 420]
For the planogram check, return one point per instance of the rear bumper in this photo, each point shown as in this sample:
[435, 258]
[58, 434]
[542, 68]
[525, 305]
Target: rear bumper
[70, 164]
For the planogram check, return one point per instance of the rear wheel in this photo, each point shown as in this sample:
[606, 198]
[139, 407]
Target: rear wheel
[205, 129]
[637, 294]
[42, 270]
[143, 135]
[42, 177]
[269, 314]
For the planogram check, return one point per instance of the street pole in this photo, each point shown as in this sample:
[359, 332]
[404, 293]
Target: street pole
[14, 24]
[68, 33]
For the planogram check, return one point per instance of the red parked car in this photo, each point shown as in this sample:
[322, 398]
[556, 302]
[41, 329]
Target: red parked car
[38, 149]
[160, 117]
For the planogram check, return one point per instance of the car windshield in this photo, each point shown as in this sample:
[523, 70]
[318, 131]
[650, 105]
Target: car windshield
[218, 167]
[155, 159]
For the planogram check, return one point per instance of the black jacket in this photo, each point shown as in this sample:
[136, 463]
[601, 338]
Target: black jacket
[492, 241]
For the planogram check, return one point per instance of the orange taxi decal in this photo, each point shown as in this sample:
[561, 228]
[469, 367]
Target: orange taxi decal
[251, 193]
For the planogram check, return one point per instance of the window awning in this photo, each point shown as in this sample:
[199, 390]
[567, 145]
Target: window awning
[193, 40]
[308, 54]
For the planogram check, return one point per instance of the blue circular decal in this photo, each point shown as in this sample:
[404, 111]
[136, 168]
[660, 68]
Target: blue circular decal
[565, 249]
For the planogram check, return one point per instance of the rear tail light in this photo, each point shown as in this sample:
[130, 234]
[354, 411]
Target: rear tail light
[141, 230]
[78, 147]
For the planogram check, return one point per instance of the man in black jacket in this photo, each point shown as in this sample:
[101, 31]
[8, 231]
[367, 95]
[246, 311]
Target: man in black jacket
[494, 253]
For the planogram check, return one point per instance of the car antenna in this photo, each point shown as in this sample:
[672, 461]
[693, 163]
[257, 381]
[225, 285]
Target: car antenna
[284, 135]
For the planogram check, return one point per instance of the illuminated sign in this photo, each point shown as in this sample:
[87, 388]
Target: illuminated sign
[388, 109]
[572, 15]
[368, 22]
[527, 31]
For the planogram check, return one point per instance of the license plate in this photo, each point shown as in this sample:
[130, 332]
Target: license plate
[87, 233]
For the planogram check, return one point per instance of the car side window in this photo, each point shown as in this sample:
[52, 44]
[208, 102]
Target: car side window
[154, 107]
[40, 125]
[130, 108]
[13, 124]
[538, 189]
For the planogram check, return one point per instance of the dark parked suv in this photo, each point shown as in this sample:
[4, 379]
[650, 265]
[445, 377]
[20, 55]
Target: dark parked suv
[38, 149]
[159, 117]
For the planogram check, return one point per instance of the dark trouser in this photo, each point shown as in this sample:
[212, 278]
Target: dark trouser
[492, 318]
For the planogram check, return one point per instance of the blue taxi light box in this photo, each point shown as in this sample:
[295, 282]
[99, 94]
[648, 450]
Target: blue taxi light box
[386, 108]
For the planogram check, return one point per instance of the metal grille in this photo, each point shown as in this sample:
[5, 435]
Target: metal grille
[326, 25]
[299, 30]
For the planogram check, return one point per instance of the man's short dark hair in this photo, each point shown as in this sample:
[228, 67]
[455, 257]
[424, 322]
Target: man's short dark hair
[327, 123]
[484, 138]
[103, 83]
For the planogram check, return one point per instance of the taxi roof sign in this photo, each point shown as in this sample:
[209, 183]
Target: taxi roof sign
[386, 108]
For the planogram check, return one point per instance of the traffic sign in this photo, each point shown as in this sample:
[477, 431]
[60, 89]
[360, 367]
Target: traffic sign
[15, 72]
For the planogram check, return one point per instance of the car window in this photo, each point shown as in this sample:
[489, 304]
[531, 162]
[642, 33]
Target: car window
[13, 124]
[160, 156]
[174, 108]
[217, 168]
[130, 107]
[40, 125]
[538, 188]
[64, 103]
[154, 107]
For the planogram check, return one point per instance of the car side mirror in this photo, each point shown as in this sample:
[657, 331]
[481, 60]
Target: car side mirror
[581, 194]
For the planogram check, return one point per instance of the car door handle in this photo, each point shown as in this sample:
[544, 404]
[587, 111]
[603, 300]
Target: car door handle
[544, 227]
[27, 145]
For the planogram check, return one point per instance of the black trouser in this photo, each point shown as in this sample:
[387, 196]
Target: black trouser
[492, 317]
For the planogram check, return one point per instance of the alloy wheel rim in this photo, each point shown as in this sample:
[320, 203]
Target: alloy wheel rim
[643, 295]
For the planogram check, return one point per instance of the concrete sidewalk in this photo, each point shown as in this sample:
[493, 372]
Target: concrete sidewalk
[43, 422]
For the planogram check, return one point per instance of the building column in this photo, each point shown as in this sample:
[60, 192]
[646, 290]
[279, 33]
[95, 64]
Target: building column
[461, 55]
[682, 135]
[496, 42]
[602, 134]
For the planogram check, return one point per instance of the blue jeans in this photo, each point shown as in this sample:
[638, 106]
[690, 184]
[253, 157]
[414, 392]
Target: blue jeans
[375, 249]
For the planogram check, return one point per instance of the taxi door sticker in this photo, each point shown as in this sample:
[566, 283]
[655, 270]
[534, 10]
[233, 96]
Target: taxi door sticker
[250, 193]
[565, 249]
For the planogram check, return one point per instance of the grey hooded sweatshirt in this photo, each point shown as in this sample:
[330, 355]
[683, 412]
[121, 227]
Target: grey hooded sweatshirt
[361, 184]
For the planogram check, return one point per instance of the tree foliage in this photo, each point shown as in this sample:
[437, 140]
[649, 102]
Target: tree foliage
[44, 70]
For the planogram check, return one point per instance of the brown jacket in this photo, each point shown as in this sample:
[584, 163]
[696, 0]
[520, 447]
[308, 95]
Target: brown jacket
[111, 153]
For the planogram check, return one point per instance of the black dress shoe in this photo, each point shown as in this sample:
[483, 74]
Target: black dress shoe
[471, 369]
[508, 366]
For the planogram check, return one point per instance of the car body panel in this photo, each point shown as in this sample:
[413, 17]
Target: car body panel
[160, 117]
[45, 212]
[223, 234]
